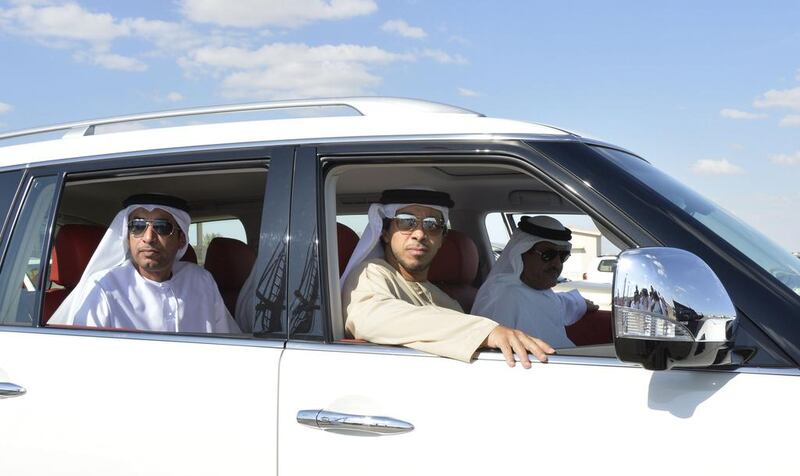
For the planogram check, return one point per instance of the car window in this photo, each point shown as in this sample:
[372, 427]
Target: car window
[139, 282]
[752, 243]
[20, 278]
[486, 197]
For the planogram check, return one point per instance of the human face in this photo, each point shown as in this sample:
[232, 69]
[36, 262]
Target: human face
[412, 251]
[536, 272]
[152, 254]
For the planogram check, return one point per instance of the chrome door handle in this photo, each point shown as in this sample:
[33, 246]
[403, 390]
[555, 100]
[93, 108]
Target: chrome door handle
[9, 390]
[377, 425]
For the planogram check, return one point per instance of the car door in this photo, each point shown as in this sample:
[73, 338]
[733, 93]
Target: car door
[123, 403]
[361, 408]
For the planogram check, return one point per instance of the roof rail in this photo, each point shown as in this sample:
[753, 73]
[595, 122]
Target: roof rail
[365, 106]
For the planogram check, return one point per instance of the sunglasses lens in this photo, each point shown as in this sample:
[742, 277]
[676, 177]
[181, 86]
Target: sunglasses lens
[564, 255]
[138, 226]
[162, 227]
[406, 223]
[432, 226]
[549, 255]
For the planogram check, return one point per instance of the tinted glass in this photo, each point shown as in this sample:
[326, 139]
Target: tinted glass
[8, 189]
[20, 278]
[756, 246]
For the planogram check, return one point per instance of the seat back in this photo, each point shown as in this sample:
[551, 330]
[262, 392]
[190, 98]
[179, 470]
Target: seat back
[190, 256]
[73, 247]
[229, 261]
[347, 240]
[455, 267]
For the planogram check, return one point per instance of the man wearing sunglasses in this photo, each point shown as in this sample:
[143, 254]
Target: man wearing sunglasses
[136, 281]
[386, 295]
[518, 291]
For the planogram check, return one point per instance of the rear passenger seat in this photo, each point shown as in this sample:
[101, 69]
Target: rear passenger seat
[229, 261]
[73, 247]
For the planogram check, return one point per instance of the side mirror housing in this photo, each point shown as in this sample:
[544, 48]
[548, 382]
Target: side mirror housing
[670, 310]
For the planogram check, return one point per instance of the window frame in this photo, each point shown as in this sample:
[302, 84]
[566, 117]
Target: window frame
[154, 161]
[516, 154]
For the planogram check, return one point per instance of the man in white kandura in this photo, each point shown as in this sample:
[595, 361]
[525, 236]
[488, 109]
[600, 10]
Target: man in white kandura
[386, 295]
[517, 293]
[136, 281]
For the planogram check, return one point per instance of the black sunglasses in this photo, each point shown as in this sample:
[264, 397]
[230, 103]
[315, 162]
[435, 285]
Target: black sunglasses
[162, 227]
[407, 223]
[548, 255]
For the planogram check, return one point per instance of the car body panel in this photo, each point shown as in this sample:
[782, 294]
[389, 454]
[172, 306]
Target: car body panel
[112, 404]
[485, 417]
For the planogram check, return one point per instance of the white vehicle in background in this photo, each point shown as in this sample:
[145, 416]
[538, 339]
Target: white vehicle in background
[601, 270]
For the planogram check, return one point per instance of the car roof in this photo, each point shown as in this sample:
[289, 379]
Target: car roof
[368, 118]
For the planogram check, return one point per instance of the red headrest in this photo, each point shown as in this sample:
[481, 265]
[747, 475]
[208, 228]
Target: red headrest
[229, 261]
[347, 239]
[457, 260]
[72, 250]
[190, 256]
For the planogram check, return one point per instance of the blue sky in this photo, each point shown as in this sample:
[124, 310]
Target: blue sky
[707, 91]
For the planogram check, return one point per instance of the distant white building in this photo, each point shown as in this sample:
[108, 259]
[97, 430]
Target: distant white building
[586, 246]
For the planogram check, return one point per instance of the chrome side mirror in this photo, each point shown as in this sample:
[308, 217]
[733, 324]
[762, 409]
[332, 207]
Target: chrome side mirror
[670, 310]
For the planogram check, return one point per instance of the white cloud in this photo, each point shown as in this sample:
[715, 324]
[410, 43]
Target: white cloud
[786, 159]
[90, 35]
[174, 96]
[113, 61]
[791, 120]
[62, 22]
[736, 114]
[283, 70]
[785, 98]
[467, 92]
[282, 13]
[277, 54]
[298, 80]
[4, 108]
[716, 167]
[441, 57]
[460, 40]
[167, 36]
[403, 29]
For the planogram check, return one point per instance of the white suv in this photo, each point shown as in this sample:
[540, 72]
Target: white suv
[701, 354]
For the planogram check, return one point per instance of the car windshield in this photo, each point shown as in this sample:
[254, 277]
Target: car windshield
[756, 246]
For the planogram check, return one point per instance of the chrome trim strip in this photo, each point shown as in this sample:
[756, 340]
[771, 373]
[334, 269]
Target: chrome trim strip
[366, 106]
[297, 142]
[764, 371]
[245, 341]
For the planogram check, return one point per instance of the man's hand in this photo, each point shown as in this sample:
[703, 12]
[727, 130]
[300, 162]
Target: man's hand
[590, 306]
[512, 341]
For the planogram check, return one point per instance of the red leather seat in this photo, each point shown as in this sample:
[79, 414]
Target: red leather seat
[454, 268]
[593, 328]
[229, 261]
[347, 240]
[73, 248]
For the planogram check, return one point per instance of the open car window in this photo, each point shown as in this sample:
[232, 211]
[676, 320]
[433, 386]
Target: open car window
[225, 207]
[483, 193]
